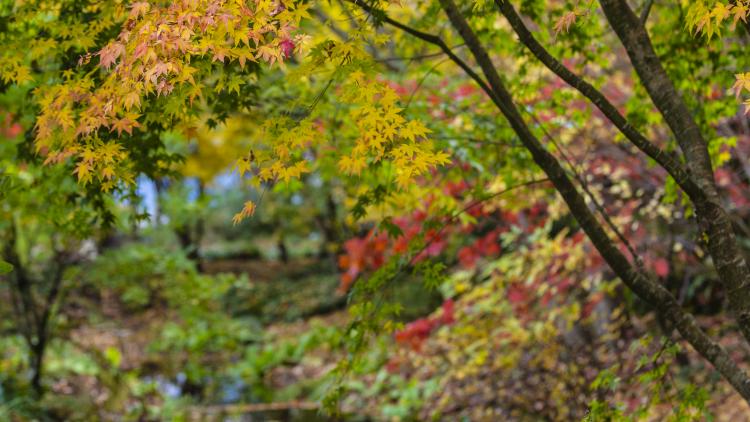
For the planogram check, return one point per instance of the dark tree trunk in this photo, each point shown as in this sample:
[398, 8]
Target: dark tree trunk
[283, 252]
[329, 225]
[33, 309]
[638, 281]
[714, 221]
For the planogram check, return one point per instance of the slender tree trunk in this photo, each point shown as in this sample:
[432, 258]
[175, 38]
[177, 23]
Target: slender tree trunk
[37, 366]
[329, 226]
[20, 289]
[191, 236]
[55, 280]
[34, 310]
[639, 282]
[200, 231]
[714, 221]
[283, 251]
[646, 288]
[159, 188]
[670, 163]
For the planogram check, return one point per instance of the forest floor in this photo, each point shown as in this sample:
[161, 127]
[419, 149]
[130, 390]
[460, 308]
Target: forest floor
[291, 299]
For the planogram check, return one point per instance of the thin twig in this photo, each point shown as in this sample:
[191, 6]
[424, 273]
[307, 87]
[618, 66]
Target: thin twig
[646, 10]
[417, 57]
[421, 81]
[584, 185]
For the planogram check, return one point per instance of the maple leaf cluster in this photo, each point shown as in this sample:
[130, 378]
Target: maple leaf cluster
[370, 252]
[283, 160]
[416, 332]
[385, 134]
[707, 18]
[163, 49]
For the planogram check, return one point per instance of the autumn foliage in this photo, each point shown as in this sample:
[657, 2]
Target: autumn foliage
[438, 210]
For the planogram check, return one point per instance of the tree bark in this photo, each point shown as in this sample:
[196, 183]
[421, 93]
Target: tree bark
[668, 162]
[647, 289]
[714, 221]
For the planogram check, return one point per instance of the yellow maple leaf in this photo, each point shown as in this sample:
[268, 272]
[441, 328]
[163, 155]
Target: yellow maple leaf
[248, 210]
[742, 81]
[352, 165]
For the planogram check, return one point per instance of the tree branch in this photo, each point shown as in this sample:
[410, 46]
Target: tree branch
[326, 21]
[669, 163]
[646, 288]
[432, 39]
[417, 57]
[645, 12]
[585, 186]
[714, 220]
